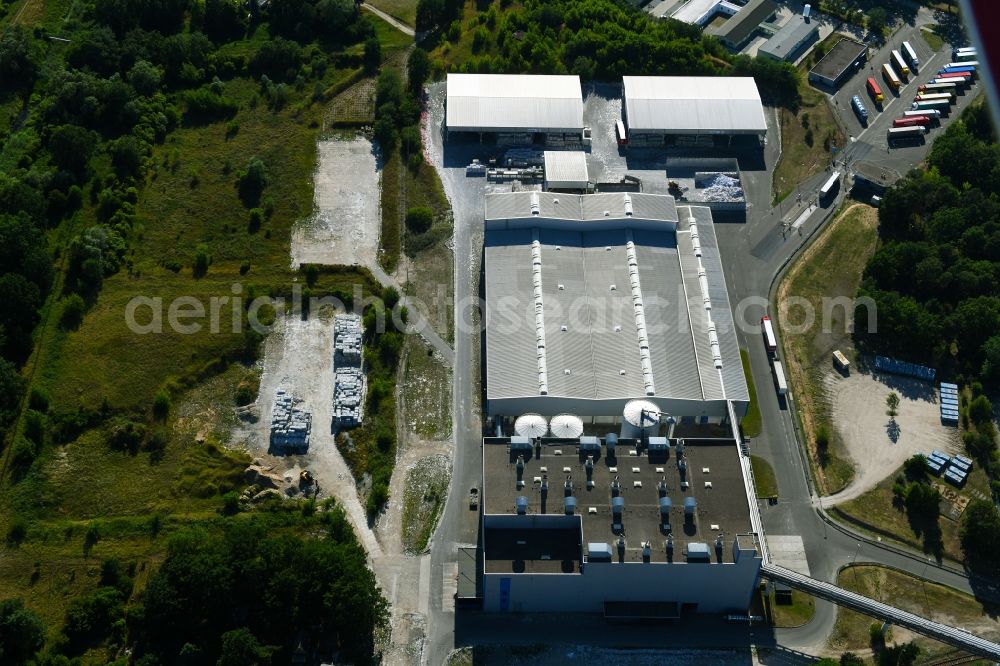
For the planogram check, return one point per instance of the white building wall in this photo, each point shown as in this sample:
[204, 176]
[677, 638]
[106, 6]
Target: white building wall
[715, 588]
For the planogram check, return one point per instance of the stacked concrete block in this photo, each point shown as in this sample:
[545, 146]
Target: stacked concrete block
[349, 378]
[290, 424]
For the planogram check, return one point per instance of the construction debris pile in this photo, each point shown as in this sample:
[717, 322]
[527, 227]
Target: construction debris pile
[349, 378]
[719, 187]
[290, 425]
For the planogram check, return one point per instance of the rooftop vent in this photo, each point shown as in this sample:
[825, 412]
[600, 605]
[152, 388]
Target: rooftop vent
[535, 209]
[628, 206]
[569, 505]
[690, 505]
[521, 504]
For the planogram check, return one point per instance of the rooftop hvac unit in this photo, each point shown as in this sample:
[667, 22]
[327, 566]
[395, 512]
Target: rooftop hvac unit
[611, 441]
[531, 425]
[628, 206]
[698, 552]
[598, 552]
[618, 506]
[535, 210]
[690, 504]
[566, 426]
[659, 445]
[666, 504]
[590, 446]
[521, 504]
[569, 505]
[645, 552]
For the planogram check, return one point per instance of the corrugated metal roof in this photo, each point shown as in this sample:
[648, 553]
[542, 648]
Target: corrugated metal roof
[497, 102]
[693, 104]
[738, 29]
[789, 38]
[567, 167]
[609, 208]
[586, 289]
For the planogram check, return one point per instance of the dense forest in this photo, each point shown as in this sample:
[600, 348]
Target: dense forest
[596, 39]
[936, 275]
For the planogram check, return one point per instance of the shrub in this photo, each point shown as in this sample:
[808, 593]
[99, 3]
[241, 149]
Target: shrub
[419, 219]
[39, 399]
[981, 410]
[312, 274]
[18, 531]
[252, 181]
[246, 393]
[822, 439]
[377, 498]
[256, 219]
[161, 405]
[72, 312]
[230, 503]
[201, 261]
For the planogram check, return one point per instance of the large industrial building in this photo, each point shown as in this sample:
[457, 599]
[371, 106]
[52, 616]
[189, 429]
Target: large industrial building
[595, 300]
[844, 59]
[682, 110]
[635, 529]
[516, 108]
[737, 31]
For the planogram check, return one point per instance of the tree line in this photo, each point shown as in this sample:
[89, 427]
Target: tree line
[935, 281]
[595, 39]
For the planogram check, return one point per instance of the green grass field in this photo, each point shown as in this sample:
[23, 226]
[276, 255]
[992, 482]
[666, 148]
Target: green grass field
[912, 594]
[933, 39]
[404, 10]
[431, 268]
[751, 423]
[814, 121]
[764, 478]
[800, 611]
[830, 268]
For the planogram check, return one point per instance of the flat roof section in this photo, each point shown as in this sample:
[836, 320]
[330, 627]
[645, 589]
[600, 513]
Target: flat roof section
[834, 64]
[788, 41]
[713, 473]
[520, 102]
[513, 210]
[693, 105]
[738, 29]
[566, 169]
[585, 320]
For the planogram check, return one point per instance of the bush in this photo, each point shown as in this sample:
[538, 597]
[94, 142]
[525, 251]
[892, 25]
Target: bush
[256, 219]
[206, 105]
[230, 503]
[22, 632]
[201, 261]
[161, 405]
[72, 312]
[17, 532]
[252, 181]
[419, 219]
[981, 410]
[377, 498]
[822, 439]
[246, 393]
[39, 399]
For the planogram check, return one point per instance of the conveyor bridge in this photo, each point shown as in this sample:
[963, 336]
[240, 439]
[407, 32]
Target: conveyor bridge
[856, 602]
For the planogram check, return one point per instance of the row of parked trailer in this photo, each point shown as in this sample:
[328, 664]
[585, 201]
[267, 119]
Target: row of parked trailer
[935, 97]
[771, 345]
[902, 63]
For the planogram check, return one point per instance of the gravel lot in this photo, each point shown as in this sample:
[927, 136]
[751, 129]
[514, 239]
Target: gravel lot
[859, 414]
[344, 228]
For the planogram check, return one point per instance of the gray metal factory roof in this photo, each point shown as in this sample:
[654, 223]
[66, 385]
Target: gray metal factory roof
[738, 29]
[525, 102]
[608, 314]
[788, 41]
[514, 210]
[566, 168]
[693, 105]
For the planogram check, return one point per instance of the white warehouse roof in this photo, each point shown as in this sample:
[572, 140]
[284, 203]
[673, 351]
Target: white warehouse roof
[519, 102]
[693, 105]
[585, 312]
